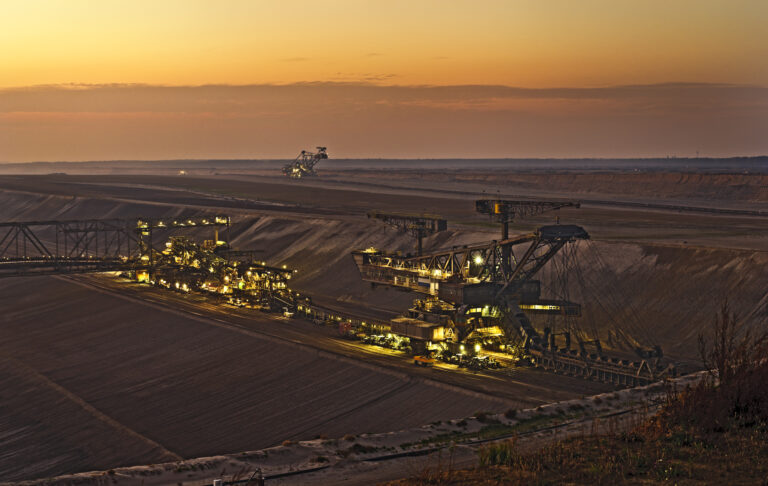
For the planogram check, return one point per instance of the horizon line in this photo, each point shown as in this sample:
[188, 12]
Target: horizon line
[78, 85]
[422, 159]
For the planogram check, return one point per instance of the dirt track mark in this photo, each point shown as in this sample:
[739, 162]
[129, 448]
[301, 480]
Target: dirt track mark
[33, 374]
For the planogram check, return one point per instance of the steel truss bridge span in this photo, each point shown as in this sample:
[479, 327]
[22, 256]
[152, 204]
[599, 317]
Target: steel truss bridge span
[48, 247]
[464, 275]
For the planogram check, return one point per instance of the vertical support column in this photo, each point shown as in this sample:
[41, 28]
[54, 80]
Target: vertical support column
[151, 253]
[505, 250]
[419, 237]
[493, 271]
[84, 240]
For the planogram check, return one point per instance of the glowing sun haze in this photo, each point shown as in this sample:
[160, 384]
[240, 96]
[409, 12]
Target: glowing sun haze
[134, 79]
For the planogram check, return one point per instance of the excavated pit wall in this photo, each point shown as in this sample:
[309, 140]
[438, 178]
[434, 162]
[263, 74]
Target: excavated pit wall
[650, 293]
[739, 190]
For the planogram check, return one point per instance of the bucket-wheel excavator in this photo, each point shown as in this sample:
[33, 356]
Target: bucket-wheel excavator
[304, 164]
[476, 298]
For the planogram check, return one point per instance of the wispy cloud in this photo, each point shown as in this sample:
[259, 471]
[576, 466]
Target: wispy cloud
[362, 78]
[361, 116]
[365, 88]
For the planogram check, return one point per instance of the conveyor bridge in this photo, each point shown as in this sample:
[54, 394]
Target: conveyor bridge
[49, 247]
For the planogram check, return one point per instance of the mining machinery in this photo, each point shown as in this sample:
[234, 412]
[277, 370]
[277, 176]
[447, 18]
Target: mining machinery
[475, 291]
[29, 248]
[187, 266]
[147, 229]
[304, 164]
[129, 246]
[476, 298]
[505, 211]
[417, 225]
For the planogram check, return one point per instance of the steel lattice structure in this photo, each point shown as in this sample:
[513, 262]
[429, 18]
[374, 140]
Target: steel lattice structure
[304, 164]
[500, 267]
[81, 246]
[506, 211]
[419, 226]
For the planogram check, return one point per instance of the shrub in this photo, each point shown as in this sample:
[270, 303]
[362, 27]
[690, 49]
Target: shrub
[485, 418]
[361, 449]
[734, 395]
[499, 454]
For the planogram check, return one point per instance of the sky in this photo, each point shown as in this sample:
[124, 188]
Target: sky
[158, 79]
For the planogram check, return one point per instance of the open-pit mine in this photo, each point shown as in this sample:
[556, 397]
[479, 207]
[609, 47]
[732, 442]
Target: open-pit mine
[159, 312]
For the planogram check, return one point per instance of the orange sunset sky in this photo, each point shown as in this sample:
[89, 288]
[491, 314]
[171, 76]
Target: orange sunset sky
[156, 79]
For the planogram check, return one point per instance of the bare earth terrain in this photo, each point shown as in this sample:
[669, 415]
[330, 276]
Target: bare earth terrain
[97, 373]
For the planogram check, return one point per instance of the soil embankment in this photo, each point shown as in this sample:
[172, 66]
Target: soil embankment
[662, 186]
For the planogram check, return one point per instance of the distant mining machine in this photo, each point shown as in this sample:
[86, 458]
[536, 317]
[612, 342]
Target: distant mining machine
[304, 164]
